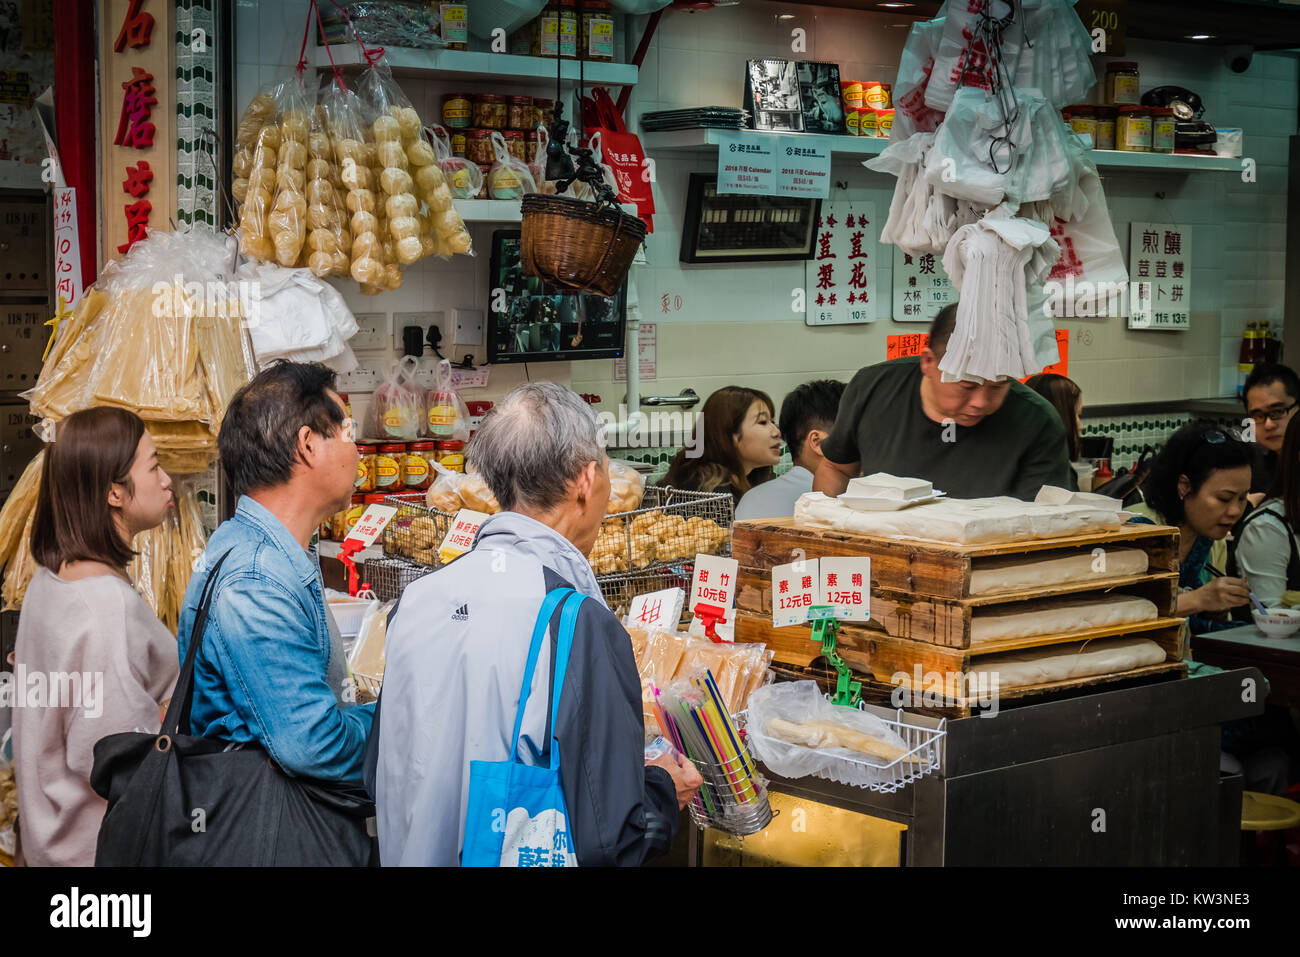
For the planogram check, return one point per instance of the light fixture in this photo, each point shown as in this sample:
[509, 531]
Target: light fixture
[785, 16]
[895, 6]
[1200, 36]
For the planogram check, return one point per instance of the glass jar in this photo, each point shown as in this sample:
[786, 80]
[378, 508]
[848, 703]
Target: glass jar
[1123, 83]
[341, 523]
[478, 147]
[458, 111]
[597, 31]
[1133, 129]
[451, 456]
[541, 36]
[416, 473]
[1163, 126]
[515, 144]
[453, 24]
[521, 113]
[1106, 127]
[1083, 119]
[545, 112]
[568, 29]
[876, 95]
[530, 148]
[491, 112]
[459, 143]
[366, 465]
[388, 468]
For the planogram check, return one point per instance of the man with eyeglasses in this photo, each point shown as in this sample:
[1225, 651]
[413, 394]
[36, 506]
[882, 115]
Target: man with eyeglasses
[1271, 396]
[271, 670]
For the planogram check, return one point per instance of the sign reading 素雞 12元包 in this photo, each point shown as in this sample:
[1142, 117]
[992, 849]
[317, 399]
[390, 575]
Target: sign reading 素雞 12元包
[840, 278]
[921, 287]
[1160, 276]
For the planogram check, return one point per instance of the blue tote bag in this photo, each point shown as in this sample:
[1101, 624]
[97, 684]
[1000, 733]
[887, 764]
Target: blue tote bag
[516, 814]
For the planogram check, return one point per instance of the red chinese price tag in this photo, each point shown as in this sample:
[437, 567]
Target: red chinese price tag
[714, 582]
[460, 537]
[846, 586]
[795, 588]
[659, 609]
[370, 525]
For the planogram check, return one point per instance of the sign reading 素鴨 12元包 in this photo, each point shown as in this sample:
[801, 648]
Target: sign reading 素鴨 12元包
[1160, 276]
[840, 278]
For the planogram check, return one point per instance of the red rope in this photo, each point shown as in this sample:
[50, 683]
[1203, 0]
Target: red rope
[338, 74]
[306, 32]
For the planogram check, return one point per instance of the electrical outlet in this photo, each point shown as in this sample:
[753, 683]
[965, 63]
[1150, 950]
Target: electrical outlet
[469, 327]
[367, 375]
[372, 331]
[424, 320]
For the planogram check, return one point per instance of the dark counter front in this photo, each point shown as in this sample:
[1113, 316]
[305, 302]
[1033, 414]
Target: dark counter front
[1122, 778]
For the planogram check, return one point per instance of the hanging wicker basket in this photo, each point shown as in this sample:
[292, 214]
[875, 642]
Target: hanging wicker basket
[578, 246]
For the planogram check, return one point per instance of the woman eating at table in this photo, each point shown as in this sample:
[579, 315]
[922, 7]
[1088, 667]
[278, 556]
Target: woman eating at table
[1199, 483]
[735, 444]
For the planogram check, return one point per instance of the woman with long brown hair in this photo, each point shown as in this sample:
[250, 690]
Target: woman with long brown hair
[91, 659]
[1067, 399]
[735, 444]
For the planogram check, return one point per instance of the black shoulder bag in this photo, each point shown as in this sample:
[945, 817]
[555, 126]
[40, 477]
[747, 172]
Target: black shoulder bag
[177, 800]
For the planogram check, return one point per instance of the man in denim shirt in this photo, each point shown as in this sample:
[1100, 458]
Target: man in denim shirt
[271, 667]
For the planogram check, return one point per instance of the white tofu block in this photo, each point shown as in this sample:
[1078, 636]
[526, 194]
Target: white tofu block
[884, 485]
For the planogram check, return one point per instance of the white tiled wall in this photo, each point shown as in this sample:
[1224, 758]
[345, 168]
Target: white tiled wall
[735, 322]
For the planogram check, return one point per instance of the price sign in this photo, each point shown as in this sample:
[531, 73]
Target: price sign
[659, 609]
[371, 524]
[746, 163]
[846, 587]
[795, 589]
[714, 582]
[460, 537]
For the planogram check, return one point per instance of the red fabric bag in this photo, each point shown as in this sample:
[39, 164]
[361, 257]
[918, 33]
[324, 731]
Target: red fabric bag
[621, 151]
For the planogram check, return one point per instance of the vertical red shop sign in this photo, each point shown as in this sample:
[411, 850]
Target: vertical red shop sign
[135, 128]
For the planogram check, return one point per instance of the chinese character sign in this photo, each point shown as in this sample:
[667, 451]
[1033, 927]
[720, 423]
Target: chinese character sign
[840, 278]
[921, 287]
[746, 163]
[846, 587]
[461, 535]
[371, 523]
[1160, 274]
[714, 583]
[659, 609]
[796, 587]
[67, 246]
[908, 344]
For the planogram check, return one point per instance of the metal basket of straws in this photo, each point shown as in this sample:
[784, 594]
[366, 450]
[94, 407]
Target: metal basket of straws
[733, 797]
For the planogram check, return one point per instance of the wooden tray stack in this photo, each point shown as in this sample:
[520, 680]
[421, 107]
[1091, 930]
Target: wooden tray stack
[921, 604]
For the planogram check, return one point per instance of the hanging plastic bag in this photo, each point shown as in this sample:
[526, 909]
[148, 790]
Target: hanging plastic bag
[580, 190]
[619, 150]
[259, 114]
[329, 239]
[287, 220]
[911, 115]
[538, 166]
[448, 419]
[397, 406]
[463, 178]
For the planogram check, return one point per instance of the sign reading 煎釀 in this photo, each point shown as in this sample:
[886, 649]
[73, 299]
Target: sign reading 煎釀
[658, 609]
[137, 160]
[914, 343]
[921, 287]
[1160, 276]
[746, 163]
[796, 587]
[840, 278]
[371, 523]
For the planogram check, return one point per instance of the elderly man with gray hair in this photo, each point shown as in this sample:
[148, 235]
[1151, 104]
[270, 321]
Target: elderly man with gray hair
[457, 648]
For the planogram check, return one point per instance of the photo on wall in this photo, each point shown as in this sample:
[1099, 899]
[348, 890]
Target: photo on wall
[819, 91]
[772, 96]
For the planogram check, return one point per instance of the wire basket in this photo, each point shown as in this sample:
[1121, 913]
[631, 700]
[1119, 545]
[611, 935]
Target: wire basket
[416, 531]
[672, 526]
[620, 588]
[733, 797]
[388, 577]
[924, 755]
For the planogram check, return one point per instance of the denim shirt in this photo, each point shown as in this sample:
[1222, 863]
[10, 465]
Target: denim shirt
[261, 673]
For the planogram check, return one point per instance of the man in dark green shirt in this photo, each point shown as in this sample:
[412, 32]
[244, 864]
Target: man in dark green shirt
[971, 440]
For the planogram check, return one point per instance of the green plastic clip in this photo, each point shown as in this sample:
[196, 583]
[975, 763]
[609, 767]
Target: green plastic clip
[824, 628]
